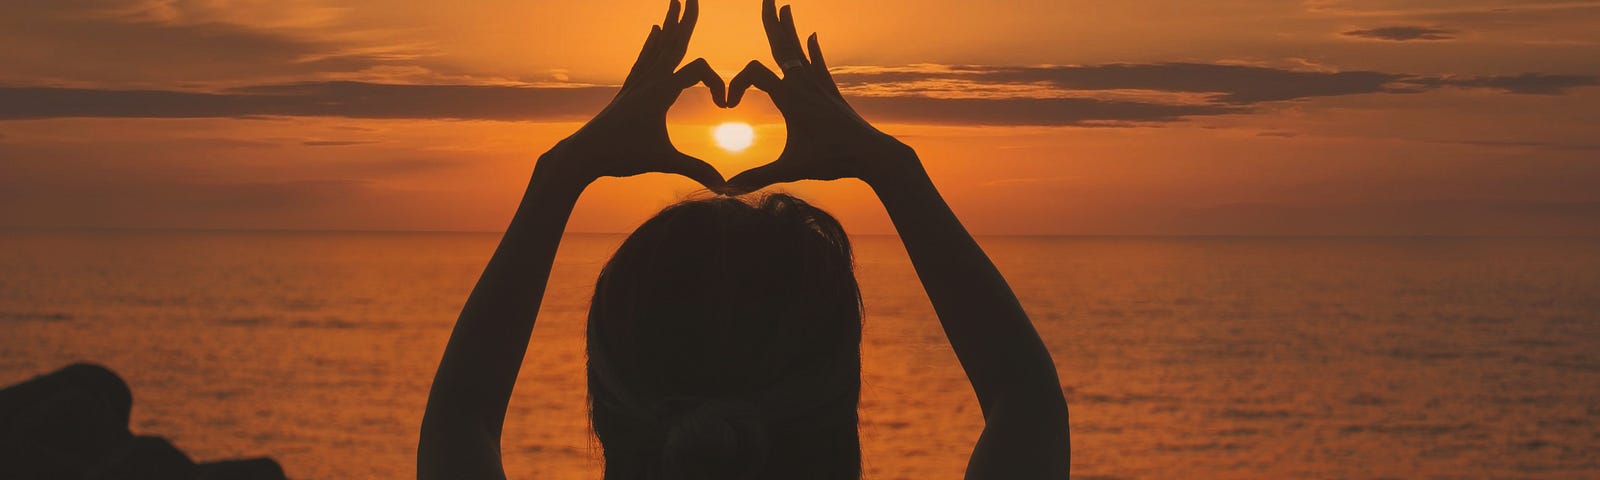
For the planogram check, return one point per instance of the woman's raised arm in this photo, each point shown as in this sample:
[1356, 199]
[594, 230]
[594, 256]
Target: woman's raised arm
[467, 404]
[1025, 413]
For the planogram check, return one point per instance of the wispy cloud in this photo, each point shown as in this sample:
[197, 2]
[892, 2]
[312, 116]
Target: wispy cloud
[1522, 21]
[1543, 145]
[1235, 84]
[1220, 83]
[335, 143]
[1029, 111]
[1449, 8]
[1402, 34]
[137, 43]
[1527, 83]
[323, 99]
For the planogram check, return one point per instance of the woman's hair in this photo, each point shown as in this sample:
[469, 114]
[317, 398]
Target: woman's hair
[725, 343]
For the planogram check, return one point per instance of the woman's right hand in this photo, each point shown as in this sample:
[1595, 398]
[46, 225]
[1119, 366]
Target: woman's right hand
[629, 136]
[827, 139]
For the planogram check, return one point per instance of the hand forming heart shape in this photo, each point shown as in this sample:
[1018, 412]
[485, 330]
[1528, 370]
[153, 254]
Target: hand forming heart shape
[827, 139]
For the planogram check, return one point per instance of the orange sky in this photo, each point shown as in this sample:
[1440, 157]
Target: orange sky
[1326, 117]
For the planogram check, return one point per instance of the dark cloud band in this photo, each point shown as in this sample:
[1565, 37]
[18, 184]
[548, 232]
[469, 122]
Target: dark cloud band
[1221, 89]
[1234, 84]
[326, 99]
[1402, 34]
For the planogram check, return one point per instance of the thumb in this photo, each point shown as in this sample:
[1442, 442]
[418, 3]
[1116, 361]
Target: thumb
[761, 177]
[696, 169]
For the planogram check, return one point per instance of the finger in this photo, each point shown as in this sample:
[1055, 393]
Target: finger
[684, 31]
[769, 23]
[774, 27]
[691, 15]
[819, 68]
[699, 71]
[646, 58]
[672, 16]
[794, 62]
[757, 75]
[697, 170]
[670, 31]
[761, 177]
[791, 40]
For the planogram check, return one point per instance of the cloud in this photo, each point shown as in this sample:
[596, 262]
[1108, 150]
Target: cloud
[1112, 94]
[132, 43]
[1527, 83]
[367, 100]
[1521, 22]
[1237, 84]
[1542, 145]
[274, 14]
[1234, 84]
[335, 143]
[1028, 111]
[1216, 83]
[322, 99]
[1480, 9]
[1402, 34]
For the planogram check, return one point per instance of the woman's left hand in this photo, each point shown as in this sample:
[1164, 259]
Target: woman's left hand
[827, 139]
[629, 136]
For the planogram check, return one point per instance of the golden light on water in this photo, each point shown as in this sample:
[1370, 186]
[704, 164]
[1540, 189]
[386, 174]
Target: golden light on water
[734, 136]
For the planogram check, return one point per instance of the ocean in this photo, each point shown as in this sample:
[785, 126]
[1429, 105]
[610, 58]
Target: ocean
[1180, 357]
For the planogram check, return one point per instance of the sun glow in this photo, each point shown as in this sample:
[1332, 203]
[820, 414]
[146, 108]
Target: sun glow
[734, 136]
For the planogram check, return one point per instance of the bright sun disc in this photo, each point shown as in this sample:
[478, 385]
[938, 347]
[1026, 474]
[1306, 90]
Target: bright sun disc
[734, 136]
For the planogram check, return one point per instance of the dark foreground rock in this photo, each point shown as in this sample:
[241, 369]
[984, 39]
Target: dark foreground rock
[73, 424]
[252, 469]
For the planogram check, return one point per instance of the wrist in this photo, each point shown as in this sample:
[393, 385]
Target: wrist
[555, 176]
[896, 167]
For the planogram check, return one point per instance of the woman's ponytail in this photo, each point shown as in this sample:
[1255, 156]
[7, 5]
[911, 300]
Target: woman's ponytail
[712, 439]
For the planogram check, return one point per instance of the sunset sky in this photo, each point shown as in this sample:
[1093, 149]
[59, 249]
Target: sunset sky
[1313, 117]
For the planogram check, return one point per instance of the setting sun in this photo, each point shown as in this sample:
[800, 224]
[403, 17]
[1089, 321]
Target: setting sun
[734, 136]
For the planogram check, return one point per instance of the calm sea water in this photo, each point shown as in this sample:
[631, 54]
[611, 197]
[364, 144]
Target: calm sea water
[1181, 358]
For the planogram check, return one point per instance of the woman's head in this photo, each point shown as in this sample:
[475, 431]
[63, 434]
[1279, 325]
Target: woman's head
[724, 342]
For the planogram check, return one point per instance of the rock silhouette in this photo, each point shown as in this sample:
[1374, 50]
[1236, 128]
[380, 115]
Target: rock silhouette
[73, 424]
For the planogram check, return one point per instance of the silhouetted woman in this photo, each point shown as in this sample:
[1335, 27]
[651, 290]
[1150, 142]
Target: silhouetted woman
[724, 335]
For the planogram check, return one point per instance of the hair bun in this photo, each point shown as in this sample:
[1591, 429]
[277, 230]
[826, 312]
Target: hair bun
[713, 439]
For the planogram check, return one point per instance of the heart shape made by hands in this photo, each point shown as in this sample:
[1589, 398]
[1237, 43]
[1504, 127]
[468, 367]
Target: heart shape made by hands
[691, 128]
[824, 138]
